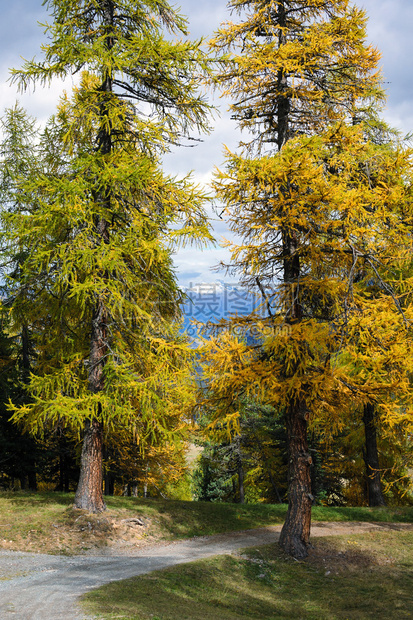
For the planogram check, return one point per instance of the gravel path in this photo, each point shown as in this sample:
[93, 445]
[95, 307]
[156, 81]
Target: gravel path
[45, 587]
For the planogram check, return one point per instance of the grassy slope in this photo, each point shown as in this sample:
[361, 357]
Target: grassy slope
[45, 521]
[346, 578]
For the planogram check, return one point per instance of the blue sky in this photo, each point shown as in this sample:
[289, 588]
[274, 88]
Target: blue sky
[389, 29]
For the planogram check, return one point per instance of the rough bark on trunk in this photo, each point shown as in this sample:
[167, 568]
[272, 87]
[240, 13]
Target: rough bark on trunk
[89, 493]
[295, 534]
[371, 458]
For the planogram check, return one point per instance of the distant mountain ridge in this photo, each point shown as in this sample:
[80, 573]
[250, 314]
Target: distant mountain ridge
[212, 301]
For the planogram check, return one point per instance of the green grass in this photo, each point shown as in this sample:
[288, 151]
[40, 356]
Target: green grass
[46, 521]
[179, 519]
[346, 578]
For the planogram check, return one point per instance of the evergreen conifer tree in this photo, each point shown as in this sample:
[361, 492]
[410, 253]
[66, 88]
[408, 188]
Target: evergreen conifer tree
[314, 229]
[99, 242]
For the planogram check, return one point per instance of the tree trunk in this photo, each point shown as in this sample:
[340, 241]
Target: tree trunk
[240, 472]
[89, 493]
[65, 465]
[64, 475]
[32, 476]
[268, 468]
[274, 486]
[283, 97]
[30, 443]
[371, 458]
[234, 489]
[145, 482]
[109, 484]
[241, 490]
[90, 490]
[295, 534]
[108, 478]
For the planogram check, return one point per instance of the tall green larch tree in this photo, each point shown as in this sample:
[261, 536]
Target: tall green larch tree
[100, 239]
[302, 80]
[18, 160]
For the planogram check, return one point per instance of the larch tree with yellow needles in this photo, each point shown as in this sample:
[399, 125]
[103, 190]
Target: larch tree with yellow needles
[99, 238]
[323, 214]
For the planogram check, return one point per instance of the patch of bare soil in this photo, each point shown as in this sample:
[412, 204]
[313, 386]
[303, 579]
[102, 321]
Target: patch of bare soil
[82, 533]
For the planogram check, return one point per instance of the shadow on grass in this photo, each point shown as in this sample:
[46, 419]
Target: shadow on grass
[203, 518]
[264, 583]
[27, 498]
[179, 519]
[243, 516]
[403, 514]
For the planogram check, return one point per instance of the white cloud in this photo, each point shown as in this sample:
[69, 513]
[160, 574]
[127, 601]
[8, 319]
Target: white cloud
[39, 102]
[389, 29]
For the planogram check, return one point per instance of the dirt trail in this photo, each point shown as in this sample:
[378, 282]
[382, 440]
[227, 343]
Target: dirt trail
[45, 587]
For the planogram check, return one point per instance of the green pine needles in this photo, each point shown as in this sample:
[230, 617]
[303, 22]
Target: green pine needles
[98, 221]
